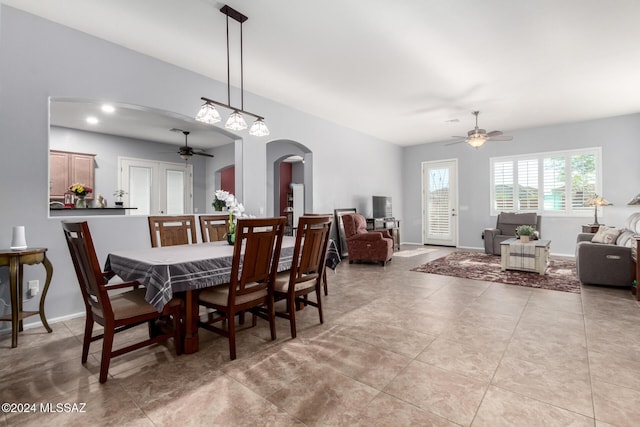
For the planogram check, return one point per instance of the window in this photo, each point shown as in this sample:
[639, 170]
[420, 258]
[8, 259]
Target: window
[555, 183]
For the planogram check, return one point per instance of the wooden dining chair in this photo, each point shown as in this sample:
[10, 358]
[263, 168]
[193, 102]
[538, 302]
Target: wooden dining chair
[307, 268]
[213, 228]
[256, 255]
[116, 312]
[172, 230]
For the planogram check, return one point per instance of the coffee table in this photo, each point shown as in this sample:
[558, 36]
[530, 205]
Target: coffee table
[532, 256]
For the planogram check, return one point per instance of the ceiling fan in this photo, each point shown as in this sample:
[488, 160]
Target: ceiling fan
[185, 151]
[477, 137]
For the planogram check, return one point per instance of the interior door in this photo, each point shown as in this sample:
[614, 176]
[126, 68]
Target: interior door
[440, 202]
[157, 188]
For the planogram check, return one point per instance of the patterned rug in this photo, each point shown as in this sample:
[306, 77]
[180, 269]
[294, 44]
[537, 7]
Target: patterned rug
[560, 275]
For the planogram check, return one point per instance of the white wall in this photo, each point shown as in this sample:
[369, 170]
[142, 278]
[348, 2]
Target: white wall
[40, 59]
[618, 137]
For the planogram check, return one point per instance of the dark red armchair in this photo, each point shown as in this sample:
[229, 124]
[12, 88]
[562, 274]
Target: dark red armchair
[365, 245]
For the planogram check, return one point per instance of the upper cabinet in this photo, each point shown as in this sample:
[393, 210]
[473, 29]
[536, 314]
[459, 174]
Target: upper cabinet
[68, 168]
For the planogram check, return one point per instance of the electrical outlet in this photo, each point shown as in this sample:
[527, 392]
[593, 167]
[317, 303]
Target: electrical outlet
[34, 287]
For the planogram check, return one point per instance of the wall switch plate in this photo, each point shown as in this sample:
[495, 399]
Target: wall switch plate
[34, 287]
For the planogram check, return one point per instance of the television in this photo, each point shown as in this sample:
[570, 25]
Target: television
[382, 207]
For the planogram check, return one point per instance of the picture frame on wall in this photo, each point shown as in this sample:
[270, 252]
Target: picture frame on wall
[342, 239]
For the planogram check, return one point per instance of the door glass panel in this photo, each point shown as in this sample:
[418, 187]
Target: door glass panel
[140, 189]
[438, 203]
[175, 192]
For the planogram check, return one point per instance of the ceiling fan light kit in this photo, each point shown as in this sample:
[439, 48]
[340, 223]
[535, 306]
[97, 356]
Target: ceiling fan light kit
[477, 137]
[185, 152]
[208, 113]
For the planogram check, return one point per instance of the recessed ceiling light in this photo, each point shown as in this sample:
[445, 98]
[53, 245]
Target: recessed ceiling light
[108, 108]
[92, 120]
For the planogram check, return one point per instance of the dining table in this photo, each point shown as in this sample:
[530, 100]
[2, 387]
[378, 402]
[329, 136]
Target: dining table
[183, 270]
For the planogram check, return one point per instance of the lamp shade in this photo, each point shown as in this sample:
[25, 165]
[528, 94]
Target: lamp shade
[634, 201]
[208, 114]
[597, 201]
[259, 128]
[235, 121]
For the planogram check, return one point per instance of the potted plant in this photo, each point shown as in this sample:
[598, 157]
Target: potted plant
[119, 195]
[525, 232]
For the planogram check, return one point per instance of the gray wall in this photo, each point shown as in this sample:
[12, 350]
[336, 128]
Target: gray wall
[618, 137]
[40, 59]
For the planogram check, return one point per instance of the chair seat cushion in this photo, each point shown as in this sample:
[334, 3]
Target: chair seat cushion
[128, 304]
[219, 295]
[282, 282]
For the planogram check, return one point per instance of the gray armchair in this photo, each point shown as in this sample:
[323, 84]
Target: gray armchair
[604, 264]
[506, 229]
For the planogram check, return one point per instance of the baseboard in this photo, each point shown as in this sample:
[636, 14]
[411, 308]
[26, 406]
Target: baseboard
[38, 323]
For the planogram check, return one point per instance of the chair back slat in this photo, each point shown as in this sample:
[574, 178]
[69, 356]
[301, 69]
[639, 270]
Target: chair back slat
[258, 244]
[86, 265]
[312, 240]
[172, 230]
[213, 228]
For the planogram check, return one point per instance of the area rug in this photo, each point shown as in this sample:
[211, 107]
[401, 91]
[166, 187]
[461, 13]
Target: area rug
[560, 275]
[413, 252]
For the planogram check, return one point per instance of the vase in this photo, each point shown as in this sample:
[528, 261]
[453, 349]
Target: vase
[525, 239]
[231, 238]
[80, 202]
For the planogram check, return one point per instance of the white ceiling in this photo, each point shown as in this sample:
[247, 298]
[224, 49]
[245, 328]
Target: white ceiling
[408, 71]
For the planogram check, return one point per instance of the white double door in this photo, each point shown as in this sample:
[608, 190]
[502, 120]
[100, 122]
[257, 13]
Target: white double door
[157, 188]
[440, 202]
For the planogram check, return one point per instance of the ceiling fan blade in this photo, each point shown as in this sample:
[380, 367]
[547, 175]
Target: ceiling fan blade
[501, 138]
[495, 133]
[198, 153]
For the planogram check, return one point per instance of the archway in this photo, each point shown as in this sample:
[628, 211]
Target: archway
[282, 151]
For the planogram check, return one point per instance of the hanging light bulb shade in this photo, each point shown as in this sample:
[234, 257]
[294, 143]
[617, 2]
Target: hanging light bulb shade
[477, 141]
[235, 121]
[259, 128]
[208, 114]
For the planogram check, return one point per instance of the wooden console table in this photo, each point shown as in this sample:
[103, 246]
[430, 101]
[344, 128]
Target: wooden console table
[15, 260]
[391, 224]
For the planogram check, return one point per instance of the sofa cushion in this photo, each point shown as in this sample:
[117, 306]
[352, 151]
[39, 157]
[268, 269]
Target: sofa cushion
[607, 235]
[626, 239]
[633, 223]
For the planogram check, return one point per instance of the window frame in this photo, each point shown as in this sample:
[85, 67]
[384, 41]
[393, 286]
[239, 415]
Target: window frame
[569, 211]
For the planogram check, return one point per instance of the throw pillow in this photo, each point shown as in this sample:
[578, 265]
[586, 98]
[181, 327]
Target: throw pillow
[607, 235]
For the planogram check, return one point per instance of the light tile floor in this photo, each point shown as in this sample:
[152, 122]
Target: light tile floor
[397, 348]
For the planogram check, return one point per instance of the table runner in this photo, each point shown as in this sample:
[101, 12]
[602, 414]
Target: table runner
[522, 255]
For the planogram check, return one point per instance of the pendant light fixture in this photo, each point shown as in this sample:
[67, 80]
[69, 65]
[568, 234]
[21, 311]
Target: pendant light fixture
[208, 113]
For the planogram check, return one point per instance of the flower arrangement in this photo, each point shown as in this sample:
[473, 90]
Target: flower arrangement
[220, 199]
[80, 189]
[224, 199]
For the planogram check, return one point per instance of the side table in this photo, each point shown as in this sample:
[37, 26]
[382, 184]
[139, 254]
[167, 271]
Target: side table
[15, 260]
[591, 228]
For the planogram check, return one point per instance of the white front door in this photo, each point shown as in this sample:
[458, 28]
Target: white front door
[440, 202]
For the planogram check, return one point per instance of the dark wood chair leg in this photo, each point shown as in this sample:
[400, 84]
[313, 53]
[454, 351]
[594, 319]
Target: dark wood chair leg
[107, 345]
[88, 330]
[291, 306]
[232, 336]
